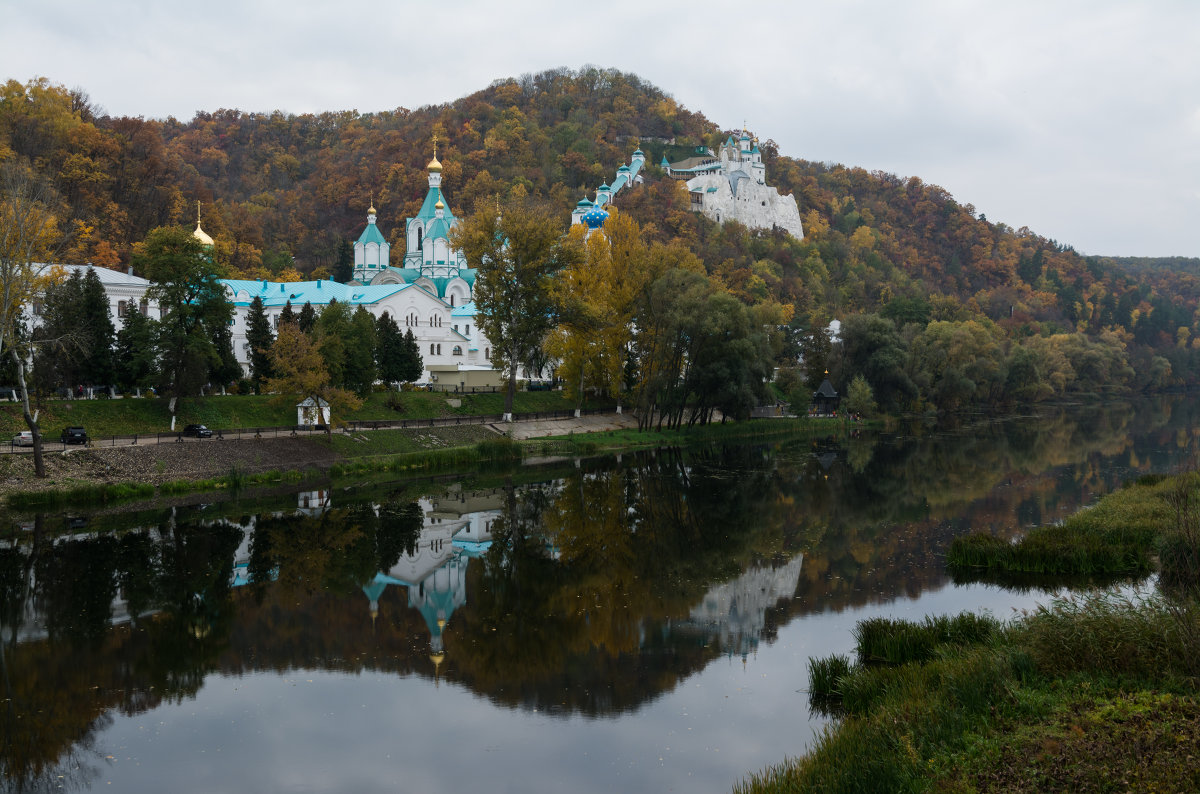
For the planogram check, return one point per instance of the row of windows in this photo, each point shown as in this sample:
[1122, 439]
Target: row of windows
[413, 321]
[143, 308]
[436, 350]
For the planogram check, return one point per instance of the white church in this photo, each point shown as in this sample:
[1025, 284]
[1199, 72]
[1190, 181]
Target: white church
[431, 293]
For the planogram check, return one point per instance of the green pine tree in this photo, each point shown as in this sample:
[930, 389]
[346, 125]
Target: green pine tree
[307, 318]
[136, 358]
[360, 372]
[260, 339]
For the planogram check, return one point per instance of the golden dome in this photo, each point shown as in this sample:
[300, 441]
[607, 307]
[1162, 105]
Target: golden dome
[200, 235]
[435, 166]
[371, 209]
[439, 205]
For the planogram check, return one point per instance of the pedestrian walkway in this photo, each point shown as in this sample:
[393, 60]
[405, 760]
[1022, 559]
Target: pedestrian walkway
[562, 427]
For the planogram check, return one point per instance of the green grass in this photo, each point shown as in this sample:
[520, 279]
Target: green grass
[901, 641]
[1097, 693]
[498, 449]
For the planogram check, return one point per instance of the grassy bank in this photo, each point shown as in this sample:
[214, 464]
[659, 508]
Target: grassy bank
[1153, 518]
[1096, 694]
[130, 416]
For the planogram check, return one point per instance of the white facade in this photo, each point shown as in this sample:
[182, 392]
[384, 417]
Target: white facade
[124, 291]
[449, 340]
[732, 185]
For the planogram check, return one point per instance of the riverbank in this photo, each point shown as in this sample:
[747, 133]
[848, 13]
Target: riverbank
[112, 473]
[1095, 692]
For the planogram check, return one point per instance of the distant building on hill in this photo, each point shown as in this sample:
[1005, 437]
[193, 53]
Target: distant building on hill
[728, 185]
[592, 213]
[732, 185]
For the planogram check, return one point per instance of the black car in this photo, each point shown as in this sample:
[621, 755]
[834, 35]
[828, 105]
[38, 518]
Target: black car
[197, 431]
[74, 435]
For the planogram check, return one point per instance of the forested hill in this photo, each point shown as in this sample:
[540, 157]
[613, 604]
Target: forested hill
[280, 189]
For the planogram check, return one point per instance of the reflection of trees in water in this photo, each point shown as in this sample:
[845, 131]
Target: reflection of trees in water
[73, 669]
[882, 528]
[570, 610]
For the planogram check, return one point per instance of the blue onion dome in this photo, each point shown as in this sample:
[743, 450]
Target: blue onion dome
[623, 168]
[584, 203]
[594, 218]
[603, 186]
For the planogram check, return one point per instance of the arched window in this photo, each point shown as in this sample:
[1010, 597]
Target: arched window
[487, 353]
[457, 350]
[431, 350]
[451, 300]
[420, 240]
[439, 350]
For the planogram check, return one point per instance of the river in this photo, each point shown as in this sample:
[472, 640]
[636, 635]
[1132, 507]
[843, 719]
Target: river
[627, 623]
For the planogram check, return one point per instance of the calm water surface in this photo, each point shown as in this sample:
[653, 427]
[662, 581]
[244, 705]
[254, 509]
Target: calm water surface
[640, 623]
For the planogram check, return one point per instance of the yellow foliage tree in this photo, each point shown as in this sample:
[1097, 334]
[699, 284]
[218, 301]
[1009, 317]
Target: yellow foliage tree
[300, 370]
[596, 298]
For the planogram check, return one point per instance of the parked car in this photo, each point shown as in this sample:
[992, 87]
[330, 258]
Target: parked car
[23, 439]
[197, 431]
[74, 435]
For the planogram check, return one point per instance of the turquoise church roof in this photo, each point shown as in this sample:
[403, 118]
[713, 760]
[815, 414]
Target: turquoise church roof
[276, 294]
[371, 234]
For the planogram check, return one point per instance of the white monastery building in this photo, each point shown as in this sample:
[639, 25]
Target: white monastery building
[732, 185]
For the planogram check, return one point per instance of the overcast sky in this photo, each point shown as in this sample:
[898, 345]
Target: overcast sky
[1077, 118]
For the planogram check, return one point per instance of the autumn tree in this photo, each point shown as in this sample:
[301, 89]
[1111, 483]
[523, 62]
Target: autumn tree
[516, 255]
[860, 400]
[300, 372]
[596, 297]
[28, 232]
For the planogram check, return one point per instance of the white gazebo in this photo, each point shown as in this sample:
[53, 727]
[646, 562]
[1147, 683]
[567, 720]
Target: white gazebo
[312, 411]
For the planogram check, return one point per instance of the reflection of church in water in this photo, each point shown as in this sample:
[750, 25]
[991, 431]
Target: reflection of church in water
[734, 613]
[456, 527]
